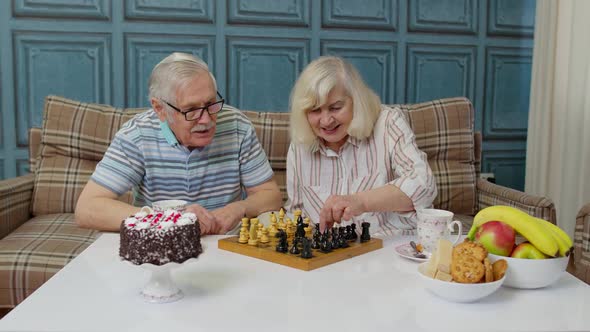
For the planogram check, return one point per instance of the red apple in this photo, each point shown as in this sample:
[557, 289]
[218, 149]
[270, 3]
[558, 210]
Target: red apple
[497, 237]
[528, 251]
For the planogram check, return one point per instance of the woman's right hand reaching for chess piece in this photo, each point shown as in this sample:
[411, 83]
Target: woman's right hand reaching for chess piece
[338, 208]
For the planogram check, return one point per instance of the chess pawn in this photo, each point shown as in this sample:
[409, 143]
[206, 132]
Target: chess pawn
[243, 235]
[295, 248]
[290, 230]
[264, 238]
[296, 214]
[260, 227]
[253, 240]
[273, 218]
[308, 229]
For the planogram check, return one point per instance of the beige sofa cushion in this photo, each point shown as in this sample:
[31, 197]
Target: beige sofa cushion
[74, 138]
[444, 130]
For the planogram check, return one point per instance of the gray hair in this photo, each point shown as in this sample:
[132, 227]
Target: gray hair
[311, 91]
[173, 72]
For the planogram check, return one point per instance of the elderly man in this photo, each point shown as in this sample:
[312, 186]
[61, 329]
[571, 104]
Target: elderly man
[188, 147]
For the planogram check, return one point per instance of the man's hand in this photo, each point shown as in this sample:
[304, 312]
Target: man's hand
[338, 208]
[228, 216]
[207, 220]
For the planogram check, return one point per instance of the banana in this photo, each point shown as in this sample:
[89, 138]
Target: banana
[522, 223]
[561, 238]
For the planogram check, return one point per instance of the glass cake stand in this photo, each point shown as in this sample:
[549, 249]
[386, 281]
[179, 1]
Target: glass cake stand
[161, 288]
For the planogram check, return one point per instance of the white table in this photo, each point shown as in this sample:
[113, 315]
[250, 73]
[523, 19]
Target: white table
[224, 291]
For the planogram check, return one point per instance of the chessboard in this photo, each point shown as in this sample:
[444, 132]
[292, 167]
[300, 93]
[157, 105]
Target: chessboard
[254, 241]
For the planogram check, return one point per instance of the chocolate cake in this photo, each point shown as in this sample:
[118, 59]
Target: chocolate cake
[160, 237]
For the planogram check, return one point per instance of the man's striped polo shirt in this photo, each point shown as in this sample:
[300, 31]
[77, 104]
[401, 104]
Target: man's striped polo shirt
[157, 167]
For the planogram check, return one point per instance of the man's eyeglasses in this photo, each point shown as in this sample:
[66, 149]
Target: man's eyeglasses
[194, 114]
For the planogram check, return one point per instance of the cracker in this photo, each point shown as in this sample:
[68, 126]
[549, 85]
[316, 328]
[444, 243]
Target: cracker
[499, 267]
[470, 248]
[467, 269]
[489, 277]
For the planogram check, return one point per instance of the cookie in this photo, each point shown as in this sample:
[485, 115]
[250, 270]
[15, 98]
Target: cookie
[489, 277]
[467, 269]
[470, 248]
[499, 267]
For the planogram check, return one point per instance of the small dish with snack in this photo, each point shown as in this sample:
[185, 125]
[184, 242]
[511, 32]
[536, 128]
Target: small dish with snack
[462, 273]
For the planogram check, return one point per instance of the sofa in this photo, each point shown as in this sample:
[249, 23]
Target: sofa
[580, 264]
[38, 234]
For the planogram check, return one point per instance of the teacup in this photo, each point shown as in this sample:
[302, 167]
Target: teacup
[170, 204]
[434, 224]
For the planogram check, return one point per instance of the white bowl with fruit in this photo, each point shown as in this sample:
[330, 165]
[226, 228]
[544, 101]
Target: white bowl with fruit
[538, 261]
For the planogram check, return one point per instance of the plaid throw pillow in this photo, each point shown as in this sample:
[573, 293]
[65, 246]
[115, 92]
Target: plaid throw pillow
[272, 130]
[444, 131]
[74, 138]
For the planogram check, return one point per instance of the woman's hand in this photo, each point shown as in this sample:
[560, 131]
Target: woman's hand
[340, 207]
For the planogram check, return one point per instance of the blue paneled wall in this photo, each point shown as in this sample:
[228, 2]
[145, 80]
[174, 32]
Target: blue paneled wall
[407, 50]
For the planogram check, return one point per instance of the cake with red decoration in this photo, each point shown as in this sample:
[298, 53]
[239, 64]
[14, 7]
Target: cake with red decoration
[160, 237]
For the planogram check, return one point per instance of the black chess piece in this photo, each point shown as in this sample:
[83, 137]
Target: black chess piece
[282, 245]
[365, 235]
[300, 231]
[335, 239]
[353, 234]
[348, 233]
[295, 248]
[343, 242]
[315, 244]
[306, 251]
[325, 246]
[316, 231]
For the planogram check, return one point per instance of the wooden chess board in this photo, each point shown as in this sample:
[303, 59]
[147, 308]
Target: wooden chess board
[319, 259]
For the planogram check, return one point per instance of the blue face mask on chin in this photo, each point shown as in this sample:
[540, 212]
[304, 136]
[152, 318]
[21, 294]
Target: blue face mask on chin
[168, 133]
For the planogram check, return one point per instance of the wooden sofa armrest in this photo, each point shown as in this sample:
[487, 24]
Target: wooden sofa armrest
[15, 202]
[489, 194]
[581, 260]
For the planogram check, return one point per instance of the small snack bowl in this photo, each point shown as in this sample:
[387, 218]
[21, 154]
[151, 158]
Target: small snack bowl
[457, 292]
[532, 273]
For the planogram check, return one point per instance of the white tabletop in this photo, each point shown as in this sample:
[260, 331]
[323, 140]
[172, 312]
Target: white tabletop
[224, 291]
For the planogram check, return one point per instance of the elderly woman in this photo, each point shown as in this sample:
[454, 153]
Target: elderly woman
[352, 159]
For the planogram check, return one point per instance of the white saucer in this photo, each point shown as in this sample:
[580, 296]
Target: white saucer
[406, 251]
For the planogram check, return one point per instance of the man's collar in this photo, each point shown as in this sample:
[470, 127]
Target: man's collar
[168, 134]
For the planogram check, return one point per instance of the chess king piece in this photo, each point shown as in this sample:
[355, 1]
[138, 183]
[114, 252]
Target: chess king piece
[282, 246]
[306, 251]
[365, 235]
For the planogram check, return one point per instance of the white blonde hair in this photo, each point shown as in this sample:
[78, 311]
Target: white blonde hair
[173, 72]
[311, 91]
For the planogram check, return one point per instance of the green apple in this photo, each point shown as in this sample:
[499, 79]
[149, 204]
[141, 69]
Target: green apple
[528, 251]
